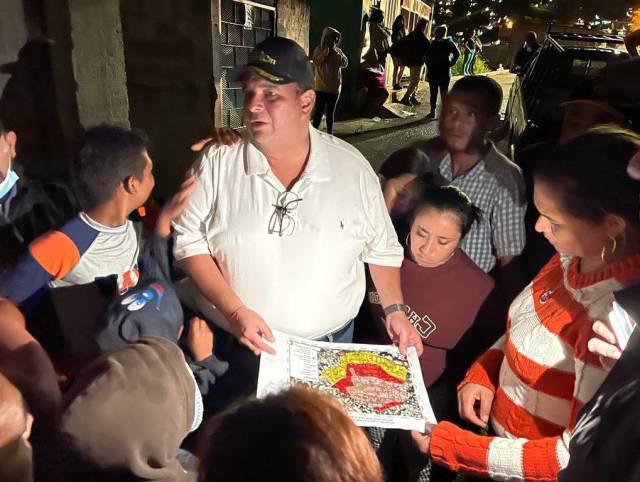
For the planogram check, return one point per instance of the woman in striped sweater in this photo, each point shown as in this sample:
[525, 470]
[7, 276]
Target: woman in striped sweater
[528, 388]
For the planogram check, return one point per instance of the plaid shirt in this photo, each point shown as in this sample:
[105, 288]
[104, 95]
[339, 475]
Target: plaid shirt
[496, 186]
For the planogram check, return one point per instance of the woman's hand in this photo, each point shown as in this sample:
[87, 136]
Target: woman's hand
[422, 441]
[605, 345]
[474, 404]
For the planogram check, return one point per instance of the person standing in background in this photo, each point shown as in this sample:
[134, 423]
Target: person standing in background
[441, 56]
[329, 61]
[398, 32]
[413, 51]
[379, 38]
[528, 50]
[472, 48]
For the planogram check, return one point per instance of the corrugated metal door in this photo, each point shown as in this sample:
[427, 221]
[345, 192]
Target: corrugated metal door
[243, 24]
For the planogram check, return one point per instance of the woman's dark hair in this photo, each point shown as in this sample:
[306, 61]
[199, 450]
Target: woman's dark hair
[108, 155]
[398, 24]
[407, 160]
[449, 199]
[294, 436]
[421, 25]
[590, 175]
[377, 16]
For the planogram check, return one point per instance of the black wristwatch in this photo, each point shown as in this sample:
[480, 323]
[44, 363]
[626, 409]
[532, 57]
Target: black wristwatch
[395, 307]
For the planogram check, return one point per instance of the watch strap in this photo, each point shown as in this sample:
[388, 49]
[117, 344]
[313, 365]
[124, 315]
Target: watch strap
[395, 307]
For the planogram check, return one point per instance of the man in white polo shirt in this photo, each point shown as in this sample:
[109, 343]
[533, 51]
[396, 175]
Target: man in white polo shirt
[280, 225]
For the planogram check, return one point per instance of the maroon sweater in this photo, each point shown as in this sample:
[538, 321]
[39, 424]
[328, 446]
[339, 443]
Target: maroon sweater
[443, 304]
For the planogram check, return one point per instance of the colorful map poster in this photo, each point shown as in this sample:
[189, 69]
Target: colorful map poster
[377, 385]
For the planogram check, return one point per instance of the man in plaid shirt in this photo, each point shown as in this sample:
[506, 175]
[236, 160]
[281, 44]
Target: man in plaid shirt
[468, 161]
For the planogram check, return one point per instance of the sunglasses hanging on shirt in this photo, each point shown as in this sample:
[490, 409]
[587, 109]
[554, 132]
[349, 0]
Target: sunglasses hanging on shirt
[282, 220]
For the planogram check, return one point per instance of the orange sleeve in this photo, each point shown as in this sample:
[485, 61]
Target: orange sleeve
[486, 369]
[56, 253]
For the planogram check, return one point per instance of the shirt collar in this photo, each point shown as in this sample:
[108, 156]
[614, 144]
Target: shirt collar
[446, 167]
[318, 167]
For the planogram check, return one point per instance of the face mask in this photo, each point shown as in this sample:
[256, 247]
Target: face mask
[198, 411]
[8, 182]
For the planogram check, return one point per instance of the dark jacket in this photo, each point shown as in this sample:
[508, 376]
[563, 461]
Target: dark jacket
[412, 50]
[441, 56]
[605, 444]
[397, 36]
[29, 210]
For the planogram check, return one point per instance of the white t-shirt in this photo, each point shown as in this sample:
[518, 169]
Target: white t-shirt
[310, 281]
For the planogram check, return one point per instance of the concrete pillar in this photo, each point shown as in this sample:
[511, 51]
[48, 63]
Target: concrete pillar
[293, 18]
[98, 61]
[13, 35]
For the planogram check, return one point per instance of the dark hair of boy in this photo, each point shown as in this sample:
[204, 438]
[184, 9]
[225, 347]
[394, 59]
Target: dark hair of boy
[590, 172]
[108, 156]
[483, 87]
[449, 199]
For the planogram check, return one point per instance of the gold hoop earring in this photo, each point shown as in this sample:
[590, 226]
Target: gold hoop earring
[614, 246]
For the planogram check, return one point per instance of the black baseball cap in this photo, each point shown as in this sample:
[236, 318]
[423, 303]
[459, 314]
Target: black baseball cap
[279, 60]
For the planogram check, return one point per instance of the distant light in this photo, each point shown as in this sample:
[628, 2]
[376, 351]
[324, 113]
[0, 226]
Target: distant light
[509, 24]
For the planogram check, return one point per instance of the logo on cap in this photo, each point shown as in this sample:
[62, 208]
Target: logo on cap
[260, 56]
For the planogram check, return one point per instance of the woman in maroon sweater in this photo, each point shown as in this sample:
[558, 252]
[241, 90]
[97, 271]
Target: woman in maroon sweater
[443, 290]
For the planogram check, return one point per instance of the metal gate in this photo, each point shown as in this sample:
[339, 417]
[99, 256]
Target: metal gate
[243, 24]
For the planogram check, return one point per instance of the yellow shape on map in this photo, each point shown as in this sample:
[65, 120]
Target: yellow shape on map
[337, 373]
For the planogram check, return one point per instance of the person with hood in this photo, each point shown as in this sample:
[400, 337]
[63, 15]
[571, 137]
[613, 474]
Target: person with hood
[329, 61]
[124, 418]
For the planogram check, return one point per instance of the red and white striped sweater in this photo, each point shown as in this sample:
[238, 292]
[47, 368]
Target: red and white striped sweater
[541, 374]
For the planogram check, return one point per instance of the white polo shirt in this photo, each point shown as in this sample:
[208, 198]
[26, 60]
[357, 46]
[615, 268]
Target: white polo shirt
[310, 281]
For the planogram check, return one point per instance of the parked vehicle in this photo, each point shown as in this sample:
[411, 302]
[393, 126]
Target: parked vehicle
[563, 69]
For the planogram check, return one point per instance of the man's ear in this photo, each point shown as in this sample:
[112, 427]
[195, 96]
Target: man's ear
[308, 100]
[130, 185]
[11, 138]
